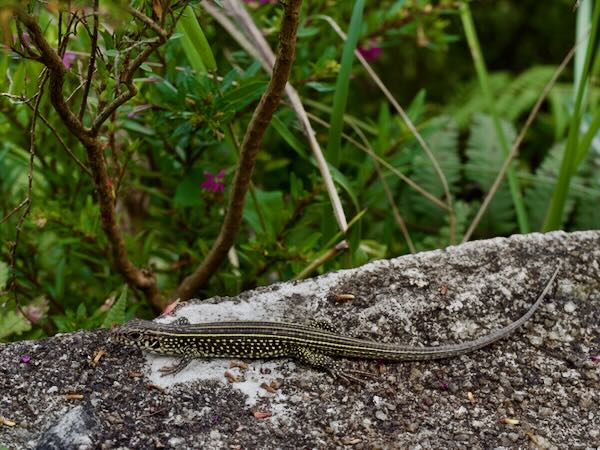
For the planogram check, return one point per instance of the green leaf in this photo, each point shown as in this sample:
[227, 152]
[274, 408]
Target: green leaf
[191, 54]
[273, 209]
[194, 42]
[188, 192]
[116, 314]
[12, 322]
[288, 136]
[236, 99]
[539, 195]
[3, 275]
[341, 180]
[81, 313]
[59, 279]
[384, 124]
[320, 87]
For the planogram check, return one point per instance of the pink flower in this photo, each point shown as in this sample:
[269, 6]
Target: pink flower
[213, 183]
[68, 59]
[25, 359]
[371, 51]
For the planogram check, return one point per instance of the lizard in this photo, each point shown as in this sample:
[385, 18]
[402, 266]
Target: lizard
[317, 344]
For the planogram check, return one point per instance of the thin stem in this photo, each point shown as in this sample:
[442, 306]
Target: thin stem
[390, 197]
[91, 64]
[29, 199]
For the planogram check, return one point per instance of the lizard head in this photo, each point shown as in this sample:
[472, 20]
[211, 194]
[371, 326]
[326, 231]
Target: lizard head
[139, 334]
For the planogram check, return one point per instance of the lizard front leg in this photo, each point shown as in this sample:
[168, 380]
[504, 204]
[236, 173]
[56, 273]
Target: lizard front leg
[174, 369]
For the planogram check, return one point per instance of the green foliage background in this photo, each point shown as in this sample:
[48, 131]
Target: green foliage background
[183, 124]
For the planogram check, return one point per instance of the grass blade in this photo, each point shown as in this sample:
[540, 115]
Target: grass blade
[340, 98]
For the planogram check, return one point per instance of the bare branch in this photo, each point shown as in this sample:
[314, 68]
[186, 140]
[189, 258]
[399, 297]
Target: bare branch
[127, 75]
[29, 199]
[95, 150]
[127, 79]
[249, 150]
[57, 71]
[149, 23]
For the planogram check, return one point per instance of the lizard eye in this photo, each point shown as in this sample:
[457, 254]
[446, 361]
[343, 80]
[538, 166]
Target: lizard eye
[134, 336]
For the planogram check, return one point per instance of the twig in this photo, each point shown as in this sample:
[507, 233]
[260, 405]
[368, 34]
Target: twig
[14, 210]
[62, 142]
[29, 199]
[126, 77]
[515, 148]
[249, 150]
[91, 64]
[57, 70]
[148, 22]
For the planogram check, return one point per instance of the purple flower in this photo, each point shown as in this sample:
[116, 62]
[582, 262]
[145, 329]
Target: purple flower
[370, 51]
[595, 358]
[25, 359]
[68, 59]
[138, 109]
[213, 183]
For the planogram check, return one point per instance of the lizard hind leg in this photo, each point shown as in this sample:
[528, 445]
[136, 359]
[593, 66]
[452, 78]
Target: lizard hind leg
[324, 362]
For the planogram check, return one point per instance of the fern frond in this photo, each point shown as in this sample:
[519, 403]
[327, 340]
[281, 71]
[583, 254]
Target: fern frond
[537, 197]
[484, 158]
[587, 213]
[521, 93]
[468, 99]
[514, 97]
[441, 136]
